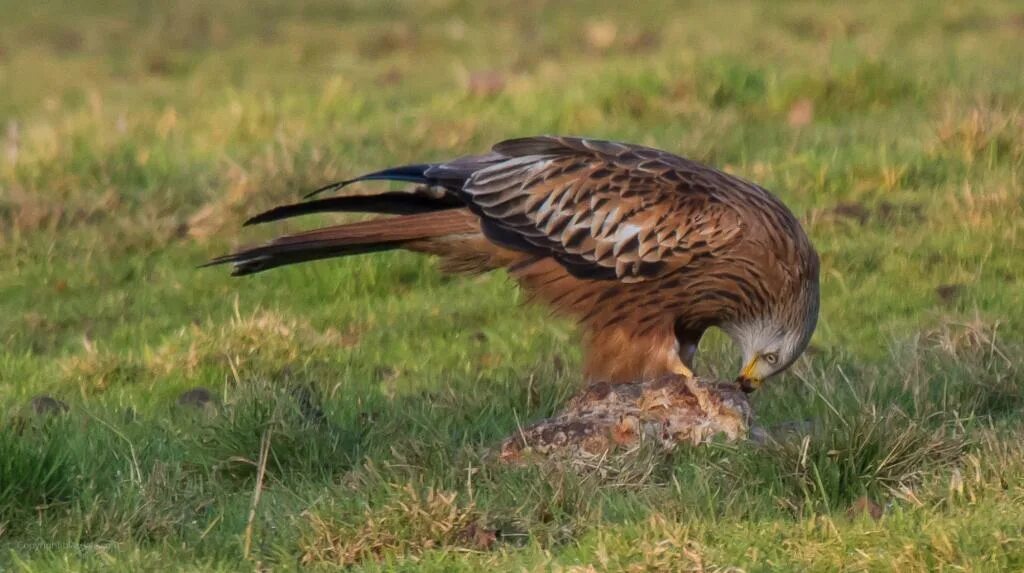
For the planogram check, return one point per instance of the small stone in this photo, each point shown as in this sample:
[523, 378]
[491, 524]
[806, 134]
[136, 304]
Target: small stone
[852, 210]
[44, 406]
[198, 397]
[949, 293]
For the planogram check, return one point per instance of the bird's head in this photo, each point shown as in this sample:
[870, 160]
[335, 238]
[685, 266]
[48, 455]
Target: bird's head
[771, 344]
[767, 350]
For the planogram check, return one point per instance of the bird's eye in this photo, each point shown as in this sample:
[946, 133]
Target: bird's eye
[771, 358]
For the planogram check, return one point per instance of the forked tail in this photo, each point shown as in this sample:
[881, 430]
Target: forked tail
[431, 210]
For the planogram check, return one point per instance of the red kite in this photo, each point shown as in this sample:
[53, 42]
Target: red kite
[646, 249]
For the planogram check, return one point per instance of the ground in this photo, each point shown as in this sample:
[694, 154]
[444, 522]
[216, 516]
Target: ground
[135, 138]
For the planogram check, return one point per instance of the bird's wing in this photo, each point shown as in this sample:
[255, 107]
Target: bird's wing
[602, 209]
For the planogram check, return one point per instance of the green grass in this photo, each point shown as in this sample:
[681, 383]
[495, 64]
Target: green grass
[134, 139]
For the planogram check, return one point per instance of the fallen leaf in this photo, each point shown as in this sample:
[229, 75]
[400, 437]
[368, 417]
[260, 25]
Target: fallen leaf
[601, 34]
[801, 113]
[864, 505]
[480, 537]
[485, 83]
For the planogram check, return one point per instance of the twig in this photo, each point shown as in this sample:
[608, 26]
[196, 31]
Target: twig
[260, 473]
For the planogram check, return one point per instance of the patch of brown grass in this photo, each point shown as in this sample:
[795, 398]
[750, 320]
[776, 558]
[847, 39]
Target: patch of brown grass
[95, 370]
[264, 180]
[966, 339]
[663, 544]
[212, 217]
[975, 132]
[262, 337]
[987, 208]
[410, 525]
[23, 212]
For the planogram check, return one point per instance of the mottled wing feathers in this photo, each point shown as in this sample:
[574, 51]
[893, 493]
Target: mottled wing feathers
[602, 209]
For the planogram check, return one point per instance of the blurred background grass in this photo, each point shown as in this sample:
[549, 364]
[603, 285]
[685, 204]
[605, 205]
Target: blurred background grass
[135, 137]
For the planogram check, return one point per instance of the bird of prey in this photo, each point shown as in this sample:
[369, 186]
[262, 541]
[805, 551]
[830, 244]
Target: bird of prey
[647, 250]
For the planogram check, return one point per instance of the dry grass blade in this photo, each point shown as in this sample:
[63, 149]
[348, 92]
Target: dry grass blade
[257, 491]
[413, 523]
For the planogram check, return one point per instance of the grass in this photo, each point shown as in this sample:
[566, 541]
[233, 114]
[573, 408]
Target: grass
[134, 139]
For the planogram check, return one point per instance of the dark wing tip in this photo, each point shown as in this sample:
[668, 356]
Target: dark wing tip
[268, 215]
[414, 173]
[245, 263]
[419, 200]
[329, 187]
[248, 268]
[216, 261]
[242, 266]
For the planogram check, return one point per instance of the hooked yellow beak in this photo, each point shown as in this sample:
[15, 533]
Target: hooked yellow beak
[747, 380]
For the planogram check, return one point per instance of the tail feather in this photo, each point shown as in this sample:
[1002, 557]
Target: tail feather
[343, 240]
[390, 203]
[431, 219]
[450, 175]
[407, 173]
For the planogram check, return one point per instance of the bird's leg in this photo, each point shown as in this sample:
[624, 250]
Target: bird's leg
[677, 367]
[686, 341]
[680, 369]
